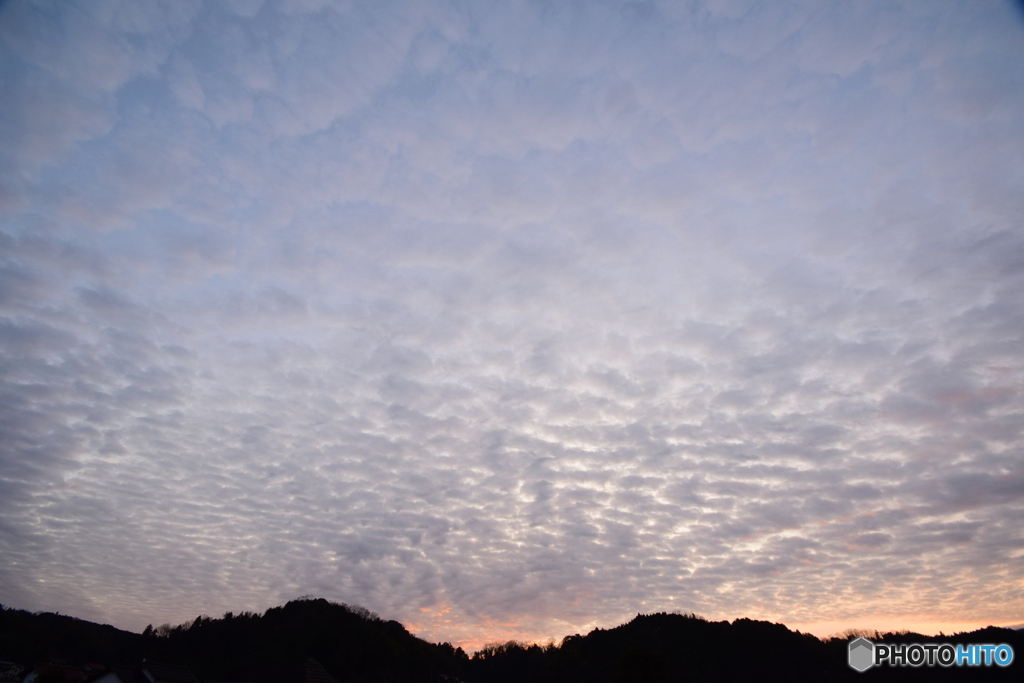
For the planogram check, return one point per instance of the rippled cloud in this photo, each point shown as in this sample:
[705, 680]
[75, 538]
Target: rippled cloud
[511, 321]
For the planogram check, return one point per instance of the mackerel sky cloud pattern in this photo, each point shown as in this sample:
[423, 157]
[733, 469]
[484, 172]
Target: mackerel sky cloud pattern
[513, 319]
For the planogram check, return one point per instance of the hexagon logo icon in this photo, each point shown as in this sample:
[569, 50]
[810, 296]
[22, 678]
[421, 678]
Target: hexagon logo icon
[861, 654]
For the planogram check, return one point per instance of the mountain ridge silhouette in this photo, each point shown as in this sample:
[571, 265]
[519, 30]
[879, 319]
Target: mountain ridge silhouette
[354, 645]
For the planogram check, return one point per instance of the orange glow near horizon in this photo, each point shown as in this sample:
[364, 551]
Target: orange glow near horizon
[886, 624]
[442, 624]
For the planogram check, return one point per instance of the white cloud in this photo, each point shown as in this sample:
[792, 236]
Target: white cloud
[542, 316]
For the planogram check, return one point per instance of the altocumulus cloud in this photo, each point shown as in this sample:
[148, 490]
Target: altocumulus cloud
[510, 319]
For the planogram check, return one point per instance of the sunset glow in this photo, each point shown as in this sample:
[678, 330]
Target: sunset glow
[513, 320]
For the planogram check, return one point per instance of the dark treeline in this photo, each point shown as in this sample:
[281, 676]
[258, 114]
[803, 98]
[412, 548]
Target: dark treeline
[352, 643]
[356, 646]
[664, 648]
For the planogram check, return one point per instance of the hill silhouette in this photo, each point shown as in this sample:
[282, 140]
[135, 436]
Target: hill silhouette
[354, 645]
[663, 648]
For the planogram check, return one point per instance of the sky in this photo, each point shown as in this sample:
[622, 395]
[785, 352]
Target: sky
[512, 320]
